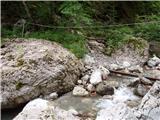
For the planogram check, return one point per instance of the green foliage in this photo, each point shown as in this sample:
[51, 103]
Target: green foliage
[80, 13]
[72, 41]
[148, 31]
[5, 32]
[75, 14]
[115, 38]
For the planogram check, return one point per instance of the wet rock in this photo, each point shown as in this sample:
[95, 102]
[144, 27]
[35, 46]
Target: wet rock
[34, 67]
[134, 82]
[90, 87]
[145, 81]
[117, 112]
[96, 77]
[104, 89]
[141, 80]
[153, 61]
[154, 73]
[150, 104]
[141, 90]
[112, 83]
[40, 109]
[80, 91]
[105, 72]
[85, 79]
[133, 103]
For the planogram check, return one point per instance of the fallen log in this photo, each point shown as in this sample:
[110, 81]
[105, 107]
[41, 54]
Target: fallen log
[132, 75]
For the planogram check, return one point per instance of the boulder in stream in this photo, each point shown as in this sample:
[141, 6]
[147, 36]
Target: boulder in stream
[40, 109]
[150, 106]
[32, 67]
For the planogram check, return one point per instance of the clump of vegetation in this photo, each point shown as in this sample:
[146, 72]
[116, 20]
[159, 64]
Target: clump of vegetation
[72, 41]
[115, 38]
[19, 85]
[20, 62]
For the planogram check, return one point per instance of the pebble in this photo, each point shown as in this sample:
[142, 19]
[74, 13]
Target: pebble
[80, 91]
[90, 88]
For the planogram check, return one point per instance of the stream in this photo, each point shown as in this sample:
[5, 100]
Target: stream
[92, 105]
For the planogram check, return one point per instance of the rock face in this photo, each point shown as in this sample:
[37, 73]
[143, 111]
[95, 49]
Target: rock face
[150, 106]
[36, 67]
[40, 109]
[126, 56]
[118, 112]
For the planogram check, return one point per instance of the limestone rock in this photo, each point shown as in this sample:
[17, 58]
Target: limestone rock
[33, 67]
[145, 81]
[126, 64]
[105, 72]
[153, 61]
[141, 90]
[52, 96]
[118, 112]
[88, 60]
[114, 67]
[90, 88]
[96, 77]
[104, 89]
[134, 82]
[85, 79]
[136, 68]
[40, 109]
[80, 91]
[150, 105]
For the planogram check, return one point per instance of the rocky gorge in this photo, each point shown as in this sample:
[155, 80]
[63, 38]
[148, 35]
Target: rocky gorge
[58, 86]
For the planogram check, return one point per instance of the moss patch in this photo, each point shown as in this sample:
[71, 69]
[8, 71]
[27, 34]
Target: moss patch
[19, 85]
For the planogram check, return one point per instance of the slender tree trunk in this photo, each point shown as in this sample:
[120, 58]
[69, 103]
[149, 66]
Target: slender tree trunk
[27, 10]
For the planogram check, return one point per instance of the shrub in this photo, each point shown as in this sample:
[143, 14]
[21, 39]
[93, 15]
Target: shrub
[115, 38]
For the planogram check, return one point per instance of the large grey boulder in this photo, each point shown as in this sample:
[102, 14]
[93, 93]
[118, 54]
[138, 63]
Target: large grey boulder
[36, 67]
[118, 112]
[40, 109]
[149, 109]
